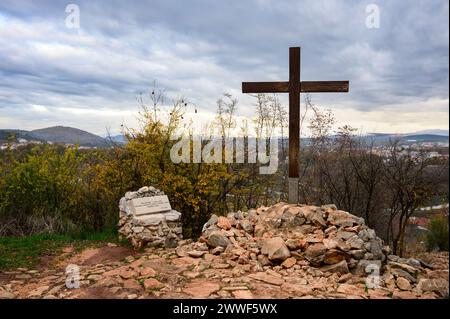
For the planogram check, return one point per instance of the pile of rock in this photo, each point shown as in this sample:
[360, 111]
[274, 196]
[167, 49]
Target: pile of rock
[163, 229]
[285, 235]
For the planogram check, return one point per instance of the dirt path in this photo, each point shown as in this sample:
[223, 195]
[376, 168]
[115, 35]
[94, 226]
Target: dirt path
[118, 272]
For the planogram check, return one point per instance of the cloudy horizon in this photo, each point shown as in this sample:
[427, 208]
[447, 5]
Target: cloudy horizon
[89, 77]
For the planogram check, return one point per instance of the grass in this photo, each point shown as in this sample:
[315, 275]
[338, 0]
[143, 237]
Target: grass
[26, 251]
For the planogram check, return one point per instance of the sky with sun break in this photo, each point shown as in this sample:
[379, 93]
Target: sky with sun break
[53, 73]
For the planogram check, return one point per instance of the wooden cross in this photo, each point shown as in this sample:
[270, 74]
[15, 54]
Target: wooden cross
[294, 87]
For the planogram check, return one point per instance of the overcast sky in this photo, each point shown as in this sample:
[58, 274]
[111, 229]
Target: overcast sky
[89, 77]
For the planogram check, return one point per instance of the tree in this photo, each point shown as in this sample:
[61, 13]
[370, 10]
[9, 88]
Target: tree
[225, 115]
[410, 186]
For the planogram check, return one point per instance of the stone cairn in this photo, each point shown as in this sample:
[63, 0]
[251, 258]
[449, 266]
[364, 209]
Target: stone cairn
[162, 229]
[286, 235]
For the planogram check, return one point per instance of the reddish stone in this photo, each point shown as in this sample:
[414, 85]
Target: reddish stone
[224, 223]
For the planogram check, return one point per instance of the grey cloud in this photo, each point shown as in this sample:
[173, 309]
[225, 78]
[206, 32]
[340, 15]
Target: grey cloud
[203, 48]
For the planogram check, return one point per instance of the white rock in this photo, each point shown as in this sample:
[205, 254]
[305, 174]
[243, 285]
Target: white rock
[137, 229]
[130, 195]
[143, 190]
[147, 220]
[172, 215]
[122, 204]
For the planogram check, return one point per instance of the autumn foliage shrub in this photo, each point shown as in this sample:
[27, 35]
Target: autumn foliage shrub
[437, 237]
[58, 189]
[47, 188]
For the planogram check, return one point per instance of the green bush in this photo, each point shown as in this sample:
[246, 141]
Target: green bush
[437, 237]
[54, 189]
[64, 190]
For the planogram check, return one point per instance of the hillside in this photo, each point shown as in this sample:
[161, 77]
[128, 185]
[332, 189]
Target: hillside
[69, 135]
[406, 138]
[5, 134]
[57, 134]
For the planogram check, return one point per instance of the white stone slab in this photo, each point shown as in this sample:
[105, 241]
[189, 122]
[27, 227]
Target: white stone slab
[156, 219]
[151, 205]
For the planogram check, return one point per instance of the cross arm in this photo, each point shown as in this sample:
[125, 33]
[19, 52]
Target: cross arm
[305, 87]
[265, 87]
[324, 86]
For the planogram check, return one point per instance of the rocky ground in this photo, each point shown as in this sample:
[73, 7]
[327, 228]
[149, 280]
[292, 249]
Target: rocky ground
[285, 251]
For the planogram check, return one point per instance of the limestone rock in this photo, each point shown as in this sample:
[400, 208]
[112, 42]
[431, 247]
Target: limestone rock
[376, 248]
[243, 294]
[351, 290]
[38, 292]
[404, 295]
[264, 260]
[224, 223]
[367, 234]
[315, 217]
[403, 283]
[275, 249]
[397, 272]
[297, 289]
[147, 272]
[340, 267]
[270, 279]
[340, 218]
[290, 262]
[410, 269]
[201, 289]
[6, 294]
[212, 221]
[246, 225]
[315, 253]
[196, 253]
[333, 256]
[355, 242]
[328, 207]
[152, 284]
[357, 253]
[438, 285]
[217, 239]
[330, 243]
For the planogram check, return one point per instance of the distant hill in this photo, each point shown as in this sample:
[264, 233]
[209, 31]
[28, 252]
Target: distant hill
[69, 135]
[6, 134]
[58, 134]
[433, 132]
[407, 138]
[426, 138]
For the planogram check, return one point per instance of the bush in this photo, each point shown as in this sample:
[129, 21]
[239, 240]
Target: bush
[437, 238]
[64, 190]
[54, 189]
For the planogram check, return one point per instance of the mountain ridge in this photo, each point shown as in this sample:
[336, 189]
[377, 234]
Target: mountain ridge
[71, 135]
[57, 134]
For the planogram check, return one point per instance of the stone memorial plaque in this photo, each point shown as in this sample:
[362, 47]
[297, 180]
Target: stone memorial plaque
[151, 205]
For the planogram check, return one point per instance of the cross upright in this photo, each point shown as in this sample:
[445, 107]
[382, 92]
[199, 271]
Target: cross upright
[294, 87]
